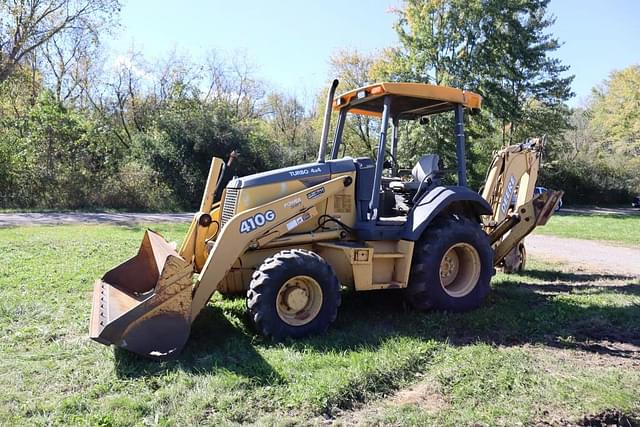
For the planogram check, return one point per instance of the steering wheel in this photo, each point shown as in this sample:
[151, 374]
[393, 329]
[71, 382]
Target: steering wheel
[393, 159]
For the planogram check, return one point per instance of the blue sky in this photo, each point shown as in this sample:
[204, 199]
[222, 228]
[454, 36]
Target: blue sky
[289, 42]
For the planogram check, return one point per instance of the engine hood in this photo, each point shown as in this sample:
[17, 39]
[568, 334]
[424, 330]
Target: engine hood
[309, 173]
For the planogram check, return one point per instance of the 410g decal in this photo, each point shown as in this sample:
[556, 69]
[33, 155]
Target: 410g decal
[256, 221]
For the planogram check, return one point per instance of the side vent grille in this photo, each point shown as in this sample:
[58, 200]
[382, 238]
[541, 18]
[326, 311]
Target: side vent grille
[230, 204]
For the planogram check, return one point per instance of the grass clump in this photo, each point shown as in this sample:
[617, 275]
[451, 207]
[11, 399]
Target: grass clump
[623, 229]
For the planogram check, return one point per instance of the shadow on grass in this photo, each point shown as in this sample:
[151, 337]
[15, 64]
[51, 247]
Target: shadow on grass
[552, 314]
[214, 344]
[558, 288]
[574, 277]
[515, 313]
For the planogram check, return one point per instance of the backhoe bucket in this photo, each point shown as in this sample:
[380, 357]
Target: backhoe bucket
[144, 304]
[547, 205]
[508, 234]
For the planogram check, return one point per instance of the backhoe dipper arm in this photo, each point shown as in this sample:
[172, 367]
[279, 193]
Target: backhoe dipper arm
[256, 227]
[517, 225]
[514, 168]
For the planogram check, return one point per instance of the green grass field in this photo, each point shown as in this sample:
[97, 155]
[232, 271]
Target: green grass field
[552, 344]
[612, 228]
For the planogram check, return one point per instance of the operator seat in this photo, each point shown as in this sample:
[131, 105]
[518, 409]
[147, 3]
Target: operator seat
[427, 167]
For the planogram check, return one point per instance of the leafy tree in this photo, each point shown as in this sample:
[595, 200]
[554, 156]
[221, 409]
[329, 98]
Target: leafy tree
[290, 127]
[353, 69]
[27, 25]
[500, 48]
[615, 112]
[186, 134]
[597, 160]
[525, 87]
[57, 157]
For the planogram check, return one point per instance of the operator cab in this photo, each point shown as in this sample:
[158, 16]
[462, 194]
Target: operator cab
[424, 174]
[384, 203]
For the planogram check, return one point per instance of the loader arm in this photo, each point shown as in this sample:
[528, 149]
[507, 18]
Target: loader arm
[255, 228]
[193, 246]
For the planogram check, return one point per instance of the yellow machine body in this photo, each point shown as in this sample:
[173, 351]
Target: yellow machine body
[147, 304]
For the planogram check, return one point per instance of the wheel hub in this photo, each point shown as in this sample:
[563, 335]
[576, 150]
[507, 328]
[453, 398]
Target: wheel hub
[299, 300]
[296, 298]
[460, 269]
[449, 267]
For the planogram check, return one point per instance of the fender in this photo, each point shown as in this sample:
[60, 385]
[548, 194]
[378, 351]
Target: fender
[459, 199]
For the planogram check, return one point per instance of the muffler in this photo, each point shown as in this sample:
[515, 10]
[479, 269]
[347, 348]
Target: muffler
[144, 304]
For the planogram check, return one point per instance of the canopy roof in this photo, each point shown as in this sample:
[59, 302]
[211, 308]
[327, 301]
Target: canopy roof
[410, 100]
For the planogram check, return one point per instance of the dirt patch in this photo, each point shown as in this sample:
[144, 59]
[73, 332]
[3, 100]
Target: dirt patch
[606, 418]
[615, 349]
[426, 395]
[610, 417]
[581, 354]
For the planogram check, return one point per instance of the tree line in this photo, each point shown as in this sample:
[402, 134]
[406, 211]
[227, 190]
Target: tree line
[79, 131]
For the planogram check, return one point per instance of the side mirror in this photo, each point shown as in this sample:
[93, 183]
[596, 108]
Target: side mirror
[424, 120]
[387, 165]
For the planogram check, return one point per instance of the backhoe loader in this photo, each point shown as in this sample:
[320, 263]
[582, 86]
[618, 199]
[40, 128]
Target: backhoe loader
[291, 238]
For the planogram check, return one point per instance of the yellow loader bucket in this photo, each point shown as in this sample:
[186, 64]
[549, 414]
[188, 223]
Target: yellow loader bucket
[144, 304]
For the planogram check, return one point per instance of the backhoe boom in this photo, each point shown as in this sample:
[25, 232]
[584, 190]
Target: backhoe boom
[509, 189]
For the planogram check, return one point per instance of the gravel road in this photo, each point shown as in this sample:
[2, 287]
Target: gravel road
[56, 218]
[587, 253]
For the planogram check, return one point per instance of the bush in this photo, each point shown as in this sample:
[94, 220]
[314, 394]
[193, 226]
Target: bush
[595, 182]
[136, 187]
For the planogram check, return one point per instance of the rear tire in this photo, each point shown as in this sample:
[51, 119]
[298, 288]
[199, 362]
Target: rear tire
[293, 294]
[452, 266]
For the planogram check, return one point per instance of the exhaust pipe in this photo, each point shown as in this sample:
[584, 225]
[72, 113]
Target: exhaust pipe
[327, 122]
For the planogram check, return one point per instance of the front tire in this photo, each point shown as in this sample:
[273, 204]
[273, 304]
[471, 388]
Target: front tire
[293, 294]
[452, 266]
